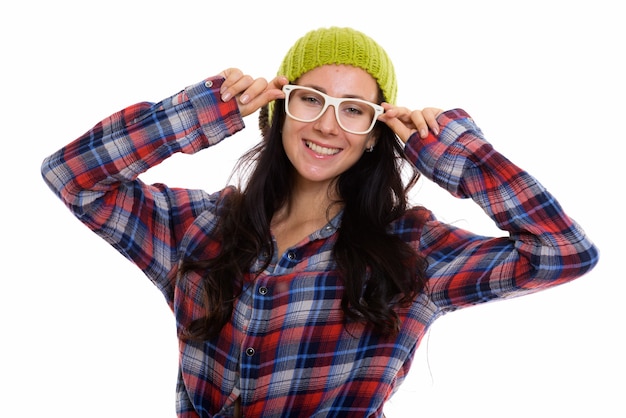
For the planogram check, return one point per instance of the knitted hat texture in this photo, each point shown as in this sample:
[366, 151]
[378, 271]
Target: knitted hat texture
[340, 46]
[336, 45]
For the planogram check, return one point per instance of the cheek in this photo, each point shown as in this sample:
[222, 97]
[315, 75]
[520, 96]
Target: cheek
[360, 145]
[287, 128]
[289, 138]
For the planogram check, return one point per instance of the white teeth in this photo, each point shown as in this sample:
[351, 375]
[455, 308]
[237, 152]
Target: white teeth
[321, 150]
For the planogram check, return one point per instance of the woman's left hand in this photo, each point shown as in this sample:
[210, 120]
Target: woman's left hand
[405, 122]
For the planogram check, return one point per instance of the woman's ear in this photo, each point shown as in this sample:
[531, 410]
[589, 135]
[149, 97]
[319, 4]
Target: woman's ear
[372, 139]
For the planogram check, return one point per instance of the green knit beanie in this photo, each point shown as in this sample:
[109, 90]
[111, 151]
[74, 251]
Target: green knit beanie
[337, 45]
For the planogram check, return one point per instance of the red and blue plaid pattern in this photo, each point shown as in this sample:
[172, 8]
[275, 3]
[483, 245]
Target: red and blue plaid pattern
[286, 351]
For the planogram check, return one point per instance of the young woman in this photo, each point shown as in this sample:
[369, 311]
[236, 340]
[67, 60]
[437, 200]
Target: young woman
[306, 291]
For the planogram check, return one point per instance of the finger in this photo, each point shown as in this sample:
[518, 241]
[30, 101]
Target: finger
[430, 115]
[401, 130]
[236, 84]
[401, 113]
[398, 119]
[251, 91]
[254, 98]
[271, 90]
[278, 82]
[231, 76]
[229, 71]
[417, 117]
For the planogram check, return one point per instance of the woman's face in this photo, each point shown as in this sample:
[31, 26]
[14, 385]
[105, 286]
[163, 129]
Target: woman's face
[321, 150]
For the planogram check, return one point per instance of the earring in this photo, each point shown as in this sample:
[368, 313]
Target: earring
[369, 149]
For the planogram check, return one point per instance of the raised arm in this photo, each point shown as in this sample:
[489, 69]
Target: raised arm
[96, 175]
[544, 246]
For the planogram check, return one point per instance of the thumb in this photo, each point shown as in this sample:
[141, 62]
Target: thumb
[401, 129]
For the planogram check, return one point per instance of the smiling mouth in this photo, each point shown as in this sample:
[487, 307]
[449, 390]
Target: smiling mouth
[321, 150]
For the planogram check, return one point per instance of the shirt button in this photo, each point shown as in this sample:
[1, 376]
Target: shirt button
[291, 255]
[250, 352]
[263, 290]
[208, 84]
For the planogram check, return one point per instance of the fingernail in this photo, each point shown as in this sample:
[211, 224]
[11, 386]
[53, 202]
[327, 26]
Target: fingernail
[244, 99]
[424, 132]
[226, 97]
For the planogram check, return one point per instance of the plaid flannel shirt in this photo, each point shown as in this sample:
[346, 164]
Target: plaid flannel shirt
[286, 351]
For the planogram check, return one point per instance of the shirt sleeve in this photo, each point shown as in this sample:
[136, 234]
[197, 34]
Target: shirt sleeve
[96, 176]
[544, 247]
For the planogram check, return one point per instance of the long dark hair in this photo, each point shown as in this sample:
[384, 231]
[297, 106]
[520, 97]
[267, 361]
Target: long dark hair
[380, 272]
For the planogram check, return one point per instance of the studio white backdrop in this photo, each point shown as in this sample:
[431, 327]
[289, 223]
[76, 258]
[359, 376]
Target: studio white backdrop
[84, 333]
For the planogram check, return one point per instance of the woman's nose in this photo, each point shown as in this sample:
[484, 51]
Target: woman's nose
[328, 123]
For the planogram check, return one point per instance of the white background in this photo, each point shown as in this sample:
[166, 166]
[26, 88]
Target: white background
[84, 334]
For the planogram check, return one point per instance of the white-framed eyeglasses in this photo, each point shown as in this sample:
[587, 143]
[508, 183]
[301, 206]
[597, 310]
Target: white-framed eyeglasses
[306, 104]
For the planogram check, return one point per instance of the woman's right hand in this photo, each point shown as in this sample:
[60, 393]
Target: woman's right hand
[251, 93]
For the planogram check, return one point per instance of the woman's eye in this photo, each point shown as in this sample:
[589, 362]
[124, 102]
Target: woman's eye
[311, 100]
[354, 110]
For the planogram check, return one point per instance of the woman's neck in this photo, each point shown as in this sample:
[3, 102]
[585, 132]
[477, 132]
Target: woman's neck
[309, 209]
